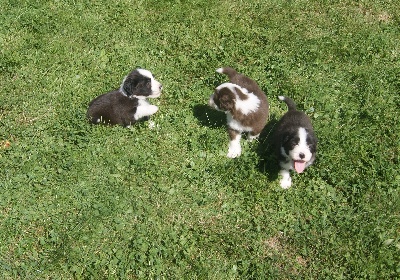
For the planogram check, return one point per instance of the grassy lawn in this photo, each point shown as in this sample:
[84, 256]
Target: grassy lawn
[94, 202]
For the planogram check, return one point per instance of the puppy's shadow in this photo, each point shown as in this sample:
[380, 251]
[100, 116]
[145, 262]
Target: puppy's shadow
[268, 163]
[209, 117]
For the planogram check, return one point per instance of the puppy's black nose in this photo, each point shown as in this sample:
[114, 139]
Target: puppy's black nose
[301, 155]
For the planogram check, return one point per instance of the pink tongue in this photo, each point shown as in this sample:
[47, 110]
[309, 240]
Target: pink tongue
[299, 166]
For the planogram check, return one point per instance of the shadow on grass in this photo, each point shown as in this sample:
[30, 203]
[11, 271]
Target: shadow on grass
[268, 162]
[208, 116]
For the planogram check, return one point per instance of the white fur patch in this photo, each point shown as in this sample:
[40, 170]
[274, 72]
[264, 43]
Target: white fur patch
[250, 105]
[286, 180]
[235, 150]
[247, 106]
[144, 109]
[234, 124]
[227, 85]
[145, 73]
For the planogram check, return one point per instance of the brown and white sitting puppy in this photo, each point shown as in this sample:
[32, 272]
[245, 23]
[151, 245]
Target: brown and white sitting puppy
[295, 142]
[126, 105]
[246, 107]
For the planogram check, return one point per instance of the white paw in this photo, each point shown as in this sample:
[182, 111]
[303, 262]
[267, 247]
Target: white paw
[145, 111]
[234, 151]
[285, 183]
[152, 109]
[286, 180]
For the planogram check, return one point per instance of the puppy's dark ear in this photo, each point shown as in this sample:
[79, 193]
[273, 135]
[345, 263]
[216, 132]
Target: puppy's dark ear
[285, 139]
[130, 84]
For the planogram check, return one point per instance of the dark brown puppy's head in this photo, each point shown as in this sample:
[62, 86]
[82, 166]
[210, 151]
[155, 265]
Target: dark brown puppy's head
[232, 98]
[141, 84]
[223, 100]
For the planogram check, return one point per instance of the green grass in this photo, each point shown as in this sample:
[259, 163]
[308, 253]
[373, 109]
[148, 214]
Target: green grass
[93, 202]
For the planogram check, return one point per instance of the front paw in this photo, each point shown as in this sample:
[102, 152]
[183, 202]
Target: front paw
[234, 151]
[286, 180]
[286, 183]
[152, 110]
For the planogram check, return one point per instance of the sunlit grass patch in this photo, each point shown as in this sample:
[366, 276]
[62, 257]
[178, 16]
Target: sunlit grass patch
[82, 201]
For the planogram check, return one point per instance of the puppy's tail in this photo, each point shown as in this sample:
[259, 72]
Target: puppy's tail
[229, 71]
[289, 102]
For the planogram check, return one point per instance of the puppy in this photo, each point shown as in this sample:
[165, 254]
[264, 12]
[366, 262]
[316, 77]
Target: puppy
[126, 105]
[295, 142]
[246, 107]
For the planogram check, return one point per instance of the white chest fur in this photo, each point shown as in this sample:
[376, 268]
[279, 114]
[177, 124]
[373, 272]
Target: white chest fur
[234, 124]
[145, 109]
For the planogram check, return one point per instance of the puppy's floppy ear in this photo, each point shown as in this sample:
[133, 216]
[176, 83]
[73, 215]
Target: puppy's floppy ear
[130, 84]
[285, 138]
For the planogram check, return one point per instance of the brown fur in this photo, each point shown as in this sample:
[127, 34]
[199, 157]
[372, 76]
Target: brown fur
[256, 120]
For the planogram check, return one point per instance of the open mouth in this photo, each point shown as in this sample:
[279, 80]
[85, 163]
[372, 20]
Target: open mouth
[299, 165]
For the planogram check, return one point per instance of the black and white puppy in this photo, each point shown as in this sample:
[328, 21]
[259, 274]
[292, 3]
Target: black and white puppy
[246, 107]
[126, 105]
[295, 142]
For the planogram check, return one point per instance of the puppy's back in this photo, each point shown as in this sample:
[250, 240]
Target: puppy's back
[293, 118]
[241, 80]
[247, 83]
[101, 109]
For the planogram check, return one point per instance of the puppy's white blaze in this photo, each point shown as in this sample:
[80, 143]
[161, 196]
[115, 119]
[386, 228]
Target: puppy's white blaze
[155, 85]
[144, 109]
[145, 73]
[302, 147]
[231, 86]
[235, 149]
